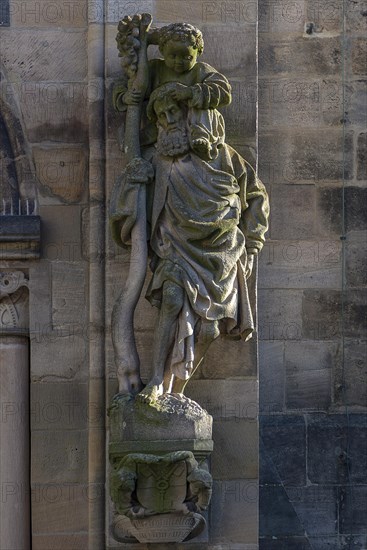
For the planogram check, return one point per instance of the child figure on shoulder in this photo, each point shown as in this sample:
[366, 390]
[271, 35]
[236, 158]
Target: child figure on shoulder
[201, 87]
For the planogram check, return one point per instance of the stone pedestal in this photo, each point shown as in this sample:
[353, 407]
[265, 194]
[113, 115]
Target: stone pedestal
[159, 480]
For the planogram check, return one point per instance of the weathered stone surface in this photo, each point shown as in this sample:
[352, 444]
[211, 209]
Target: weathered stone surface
[68, 294]
[268, 472]
[56, 505]
[298, 204]
[316, 508]
[15, 441]
[339, 542]
[235, 452]
[192, 11]
[117, 10]
[39, 298]
[233, 511]
[330, 211]
[272, 376]
[362, 157]
[93, 250]
[355, 212]
[351, 374]
[300, 55]
[292, 543]
[327, 437]
[356, 259]
[61, 233]
[282, 17]
[224, 546]
[287, 102]
[277, 515]
[240, 117]
[356, 17]
[355, 311]
[33, 58]
[230, 398]
[54, 110]
[74, 541]
[359, 56]
[60, 406]
[313, 156]
[45, 14]
[300, 264]
[356, 109]
[280, 317]
[115, 546]
[59, 354]
[322, 314]
[284, 439]
[61, 171]
[330, 201]
[309, 366]
[353, 509]
[60, 456]
[357, 450]
[229, 358]
[234, 52]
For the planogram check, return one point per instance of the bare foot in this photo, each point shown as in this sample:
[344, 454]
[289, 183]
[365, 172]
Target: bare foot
[151, 392]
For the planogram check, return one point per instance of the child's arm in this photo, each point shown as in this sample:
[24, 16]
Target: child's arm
[211, 90]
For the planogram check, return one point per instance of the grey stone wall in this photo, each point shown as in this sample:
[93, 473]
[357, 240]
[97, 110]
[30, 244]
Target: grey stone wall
[312, 275]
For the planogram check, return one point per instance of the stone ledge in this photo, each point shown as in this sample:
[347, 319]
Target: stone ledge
[20, 237]
[120, 449]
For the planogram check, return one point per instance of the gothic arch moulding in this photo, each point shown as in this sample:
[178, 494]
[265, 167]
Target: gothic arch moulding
[18, 189]
[20, 225]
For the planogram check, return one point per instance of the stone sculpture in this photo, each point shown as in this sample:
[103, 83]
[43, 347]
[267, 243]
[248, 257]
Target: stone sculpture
[195, 207]
[206, 209]
[143, 486]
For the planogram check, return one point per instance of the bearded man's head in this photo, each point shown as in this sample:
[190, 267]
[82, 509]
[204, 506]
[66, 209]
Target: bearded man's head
[171, 119]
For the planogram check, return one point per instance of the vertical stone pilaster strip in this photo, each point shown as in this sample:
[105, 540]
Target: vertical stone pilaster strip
[96, 428]
[14, 410]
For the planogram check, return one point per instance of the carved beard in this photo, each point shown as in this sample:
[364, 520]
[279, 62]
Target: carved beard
[172, 143]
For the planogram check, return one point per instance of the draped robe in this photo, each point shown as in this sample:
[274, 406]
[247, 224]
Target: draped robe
[204, 219]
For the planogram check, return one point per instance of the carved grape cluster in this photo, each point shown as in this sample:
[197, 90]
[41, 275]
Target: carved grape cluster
[128, 43]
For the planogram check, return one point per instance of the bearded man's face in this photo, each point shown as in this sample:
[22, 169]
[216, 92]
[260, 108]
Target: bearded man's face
[172, 133]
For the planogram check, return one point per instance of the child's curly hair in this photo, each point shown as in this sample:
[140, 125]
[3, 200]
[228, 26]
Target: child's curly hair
[183, 32]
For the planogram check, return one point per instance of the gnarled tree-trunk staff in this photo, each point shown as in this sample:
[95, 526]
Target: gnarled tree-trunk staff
[133, 41]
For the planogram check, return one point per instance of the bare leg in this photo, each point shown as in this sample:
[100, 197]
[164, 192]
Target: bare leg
[208, 333]
[172, 302]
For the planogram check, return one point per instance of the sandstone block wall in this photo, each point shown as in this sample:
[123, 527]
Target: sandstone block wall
[312, 275]
[44, 64]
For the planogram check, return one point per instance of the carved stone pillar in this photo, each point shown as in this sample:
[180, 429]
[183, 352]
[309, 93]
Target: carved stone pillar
[14, 401]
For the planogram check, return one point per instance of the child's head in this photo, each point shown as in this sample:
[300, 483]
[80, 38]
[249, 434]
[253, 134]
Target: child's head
[180, 45]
